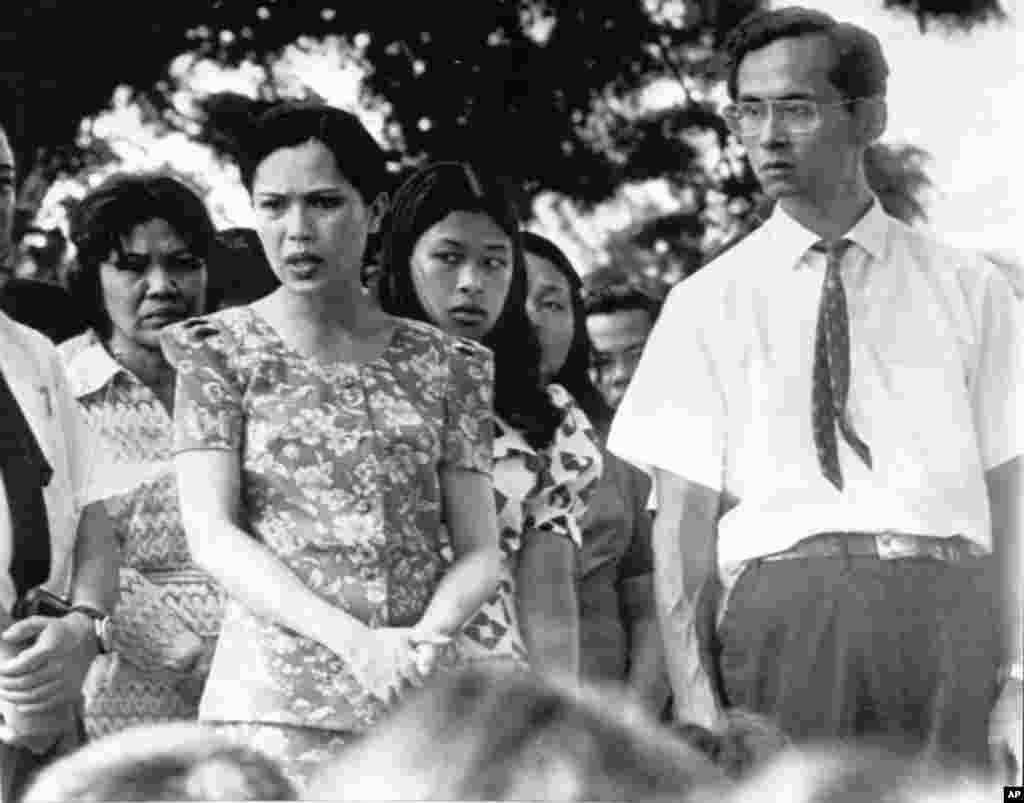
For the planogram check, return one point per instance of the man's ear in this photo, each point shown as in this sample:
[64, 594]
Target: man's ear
[871, 116]
[378, 209]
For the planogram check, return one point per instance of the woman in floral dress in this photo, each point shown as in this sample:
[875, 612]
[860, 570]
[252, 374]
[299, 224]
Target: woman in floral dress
[452, 256]
[143, 242]
[325, 453]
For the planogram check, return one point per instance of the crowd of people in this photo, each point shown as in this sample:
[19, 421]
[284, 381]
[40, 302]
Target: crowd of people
[381, 500]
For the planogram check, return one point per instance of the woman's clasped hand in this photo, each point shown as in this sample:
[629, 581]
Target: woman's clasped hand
[389, 660]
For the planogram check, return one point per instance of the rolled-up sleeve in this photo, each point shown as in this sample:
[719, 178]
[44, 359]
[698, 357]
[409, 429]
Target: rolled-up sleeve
[673, 415]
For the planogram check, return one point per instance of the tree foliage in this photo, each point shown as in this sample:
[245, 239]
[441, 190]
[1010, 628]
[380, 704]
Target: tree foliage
[553, 93]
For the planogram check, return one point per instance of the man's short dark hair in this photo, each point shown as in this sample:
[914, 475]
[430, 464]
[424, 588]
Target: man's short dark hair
[610, 290]
[860, 70]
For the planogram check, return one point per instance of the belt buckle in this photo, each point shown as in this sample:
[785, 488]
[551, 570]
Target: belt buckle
[892, 545]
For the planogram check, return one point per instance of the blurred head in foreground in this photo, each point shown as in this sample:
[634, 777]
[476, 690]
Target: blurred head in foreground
[486, 735]
[843, 774]
[181, 761]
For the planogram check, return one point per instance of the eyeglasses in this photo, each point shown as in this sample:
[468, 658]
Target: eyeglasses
[800, 116]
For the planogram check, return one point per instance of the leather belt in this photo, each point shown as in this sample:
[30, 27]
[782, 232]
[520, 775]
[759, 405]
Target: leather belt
[887, 545]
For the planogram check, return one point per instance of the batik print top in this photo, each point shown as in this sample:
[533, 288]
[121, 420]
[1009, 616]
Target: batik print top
[165, 625]
[340, 478]
[543, 490]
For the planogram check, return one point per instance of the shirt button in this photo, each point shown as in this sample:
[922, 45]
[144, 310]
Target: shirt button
[363, 507]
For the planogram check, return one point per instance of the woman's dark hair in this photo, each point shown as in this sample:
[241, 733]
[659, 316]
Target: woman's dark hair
[428, 196]
[108, 214]
[574, 375]
[358, 156]
[860, 68]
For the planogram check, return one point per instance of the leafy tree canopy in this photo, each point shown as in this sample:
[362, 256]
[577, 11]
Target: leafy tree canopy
[560, 95]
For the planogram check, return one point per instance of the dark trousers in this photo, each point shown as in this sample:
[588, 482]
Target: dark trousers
[18, 765]
[902, 654]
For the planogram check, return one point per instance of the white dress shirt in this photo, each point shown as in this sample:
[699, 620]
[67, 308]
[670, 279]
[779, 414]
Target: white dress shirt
[36, 376]
[722, 395]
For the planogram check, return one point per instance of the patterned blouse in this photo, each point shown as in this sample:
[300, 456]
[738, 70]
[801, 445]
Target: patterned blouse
[544, 490]
[340, 479]
[165, 626]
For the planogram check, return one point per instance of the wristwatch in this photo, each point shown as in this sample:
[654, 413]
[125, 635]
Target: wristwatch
[101, 626]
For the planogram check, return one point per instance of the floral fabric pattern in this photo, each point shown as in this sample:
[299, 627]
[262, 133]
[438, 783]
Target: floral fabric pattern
[544, 490]
[340, 479]
[165, 626]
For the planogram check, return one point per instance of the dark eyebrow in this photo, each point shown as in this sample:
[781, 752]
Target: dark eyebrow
[311, 193]
[548, 289]
[746, 98]
[450, 241]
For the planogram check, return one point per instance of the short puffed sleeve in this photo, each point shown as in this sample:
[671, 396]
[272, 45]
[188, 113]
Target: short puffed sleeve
[468, 420]
[208, 412]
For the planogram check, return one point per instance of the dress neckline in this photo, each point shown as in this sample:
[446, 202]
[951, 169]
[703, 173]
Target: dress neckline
[262, 322]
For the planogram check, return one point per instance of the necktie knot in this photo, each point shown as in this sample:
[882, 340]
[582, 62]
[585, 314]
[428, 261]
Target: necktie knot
[835, 250]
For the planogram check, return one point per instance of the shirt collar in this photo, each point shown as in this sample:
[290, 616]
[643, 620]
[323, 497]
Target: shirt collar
[89, 365]
[871, 232]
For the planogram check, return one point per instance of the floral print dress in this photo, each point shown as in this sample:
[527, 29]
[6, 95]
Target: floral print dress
[340, 479]
[164, 628]
[544, 490]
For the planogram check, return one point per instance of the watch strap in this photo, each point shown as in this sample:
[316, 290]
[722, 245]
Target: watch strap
[88, 610]
[101, 625]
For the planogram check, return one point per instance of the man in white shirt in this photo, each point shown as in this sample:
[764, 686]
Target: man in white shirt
[44, 659]
[830, 410]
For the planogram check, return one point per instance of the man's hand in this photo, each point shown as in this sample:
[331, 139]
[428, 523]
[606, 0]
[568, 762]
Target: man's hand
[1005, 731]
[51, 670]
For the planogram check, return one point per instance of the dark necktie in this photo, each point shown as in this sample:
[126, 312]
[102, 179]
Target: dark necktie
[26, 472]
[831, 378]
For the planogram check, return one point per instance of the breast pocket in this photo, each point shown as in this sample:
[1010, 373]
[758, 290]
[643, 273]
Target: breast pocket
[921, 368]
[923, 384]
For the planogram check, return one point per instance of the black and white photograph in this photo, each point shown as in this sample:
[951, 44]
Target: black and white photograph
[527, 400]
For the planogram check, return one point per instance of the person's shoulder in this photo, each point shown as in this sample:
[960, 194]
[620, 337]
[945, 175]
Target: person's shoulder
[220, 333]
[28, 352]
[737, 254]
[210, 326]
[574, 421]
[960, 270]
[935, 253]
[27, 337]
[444, 342]
[706, 291]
